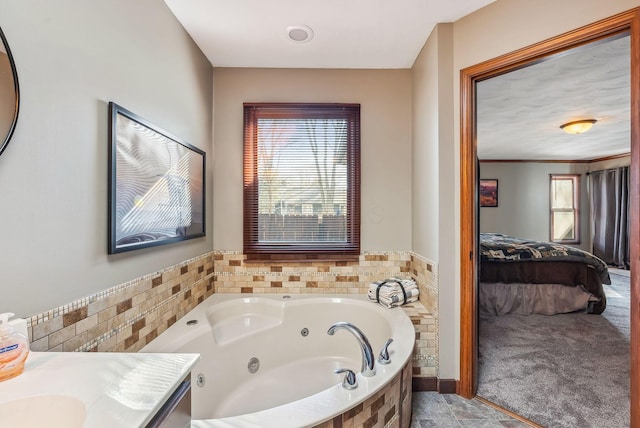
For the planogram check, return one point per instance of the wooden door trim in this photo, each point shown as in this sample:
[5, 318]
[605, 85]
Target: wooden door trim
[624, 22]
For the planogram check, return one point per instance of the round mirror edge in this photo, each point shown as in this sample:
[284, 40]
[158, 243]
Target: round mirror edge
[5, 141]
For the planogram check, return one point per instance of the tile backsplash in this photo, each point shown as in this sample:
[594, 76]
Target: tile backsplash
[235, 275]
[128, 316]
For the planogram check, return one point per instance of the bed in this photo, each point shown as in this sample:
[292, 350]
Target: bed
[534, 277]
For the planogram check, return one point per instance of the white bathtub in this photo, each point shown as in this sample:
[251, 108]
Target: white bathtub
[295, 384]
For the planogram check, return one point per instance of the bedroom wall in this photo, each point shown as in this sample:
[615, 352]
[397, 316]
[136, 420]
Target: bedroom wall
[610, 163]
[523, 199]
[385, 98]
[73, 57]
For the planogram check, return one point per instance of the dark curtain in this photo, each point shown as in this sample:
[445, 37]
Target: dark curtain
[609, 194]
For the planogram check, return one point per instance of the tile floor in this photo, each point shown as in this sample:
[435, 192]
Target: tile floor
[433, 410]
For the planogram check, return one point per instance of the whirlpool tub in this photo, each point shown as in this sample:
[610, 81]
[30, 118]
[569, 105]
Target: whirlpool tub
[267, 361]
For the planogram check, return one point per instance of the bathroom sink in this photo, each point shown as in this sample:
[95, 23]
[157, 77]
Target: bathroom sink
[52, 411]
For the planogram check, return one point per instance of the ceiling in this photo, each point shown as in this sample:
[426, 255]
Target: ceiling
[519, 113]
[346, 33]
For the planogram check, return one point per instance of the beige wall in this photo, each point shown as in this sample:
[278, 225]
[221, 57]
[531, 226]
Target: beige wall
[424, 157]
[610, 163]
[432, 159]
[73, 57]
[385, 98]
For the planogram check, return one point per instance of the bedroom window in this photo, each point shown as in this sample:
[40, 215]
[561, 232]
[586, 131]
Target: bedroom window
[301, 181]
[564, 204]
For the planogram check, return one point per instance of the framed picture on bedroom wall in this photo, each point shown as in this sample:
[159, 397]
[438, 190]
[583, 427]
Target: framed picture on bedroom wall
[489, 192]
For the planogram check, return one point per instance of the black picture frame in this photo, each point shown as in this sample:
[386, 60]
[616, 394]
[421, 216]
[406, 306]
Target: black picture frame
[489, 192]
[156, 185]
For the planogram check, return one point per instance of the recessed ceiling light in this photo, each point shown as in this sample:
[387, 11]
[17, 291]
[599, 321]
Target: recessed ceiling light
[300, 33]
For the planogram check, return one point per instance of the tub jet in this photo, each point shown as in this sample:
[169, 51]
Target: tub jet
[200, 380]
[254, 365]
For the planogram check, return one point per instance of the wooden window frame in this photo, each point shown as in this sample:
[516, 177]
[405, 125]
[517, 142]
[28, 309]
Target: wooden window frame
[575, 179]
[252, 247]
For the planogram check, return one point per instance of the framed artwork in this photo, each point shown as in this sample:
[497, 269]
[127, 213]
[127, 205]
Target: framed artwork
[156, 185]
[489, 192]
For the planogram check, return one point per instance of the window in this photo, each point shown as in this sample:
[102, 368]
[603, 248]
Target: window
[564, 195]
[301, 181]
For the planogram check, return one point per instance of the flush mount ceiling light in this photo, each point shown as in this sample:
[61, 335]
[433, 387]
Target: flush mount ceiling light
[300, 33]
[578, 126]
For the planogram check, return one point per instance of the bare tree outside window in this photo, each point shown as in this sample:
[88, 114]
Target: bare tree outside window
[304, 177]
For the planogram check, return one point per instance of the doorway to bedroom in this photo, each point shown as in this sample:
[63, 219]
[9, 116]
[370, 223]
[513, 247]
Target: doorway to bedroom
[604, 34]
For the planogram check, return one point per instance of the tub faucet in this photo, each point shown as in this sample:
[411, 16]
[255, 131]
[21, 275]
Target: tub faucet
[367, 353]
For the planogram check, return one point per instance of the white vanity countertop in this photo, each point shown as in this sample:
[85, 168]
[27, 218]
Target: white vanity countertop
[88, 389]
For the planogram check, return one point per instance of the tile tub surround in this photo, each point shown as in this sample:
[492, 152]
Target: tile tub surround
[425, 317]
[425, 273]
[128, 316]
[425, 353]
[233, 274]
[389, 407]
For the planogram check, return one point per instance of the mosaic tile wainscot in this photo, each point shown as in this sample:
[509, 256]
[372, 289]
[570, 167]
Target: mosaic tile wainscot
[128, 316]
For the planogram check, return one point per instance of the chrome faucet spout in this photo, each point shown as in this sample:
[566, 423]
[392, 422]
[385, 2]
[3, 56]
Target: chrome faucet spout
[368, 360]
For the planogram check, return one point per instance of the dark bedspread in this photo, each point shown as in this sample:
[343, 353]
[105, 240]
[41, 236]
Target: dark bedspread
[512, 260]
[496, 247]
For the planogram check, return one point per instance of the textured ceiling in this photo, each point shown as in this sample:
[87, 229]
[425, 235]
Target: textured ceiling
[520, 113]
[347, 33]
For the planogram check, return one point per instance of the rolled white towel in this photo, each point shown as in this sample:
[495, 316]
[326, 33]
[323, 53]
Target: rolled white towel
[391, 286]
[398, 300]
[389, 293]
